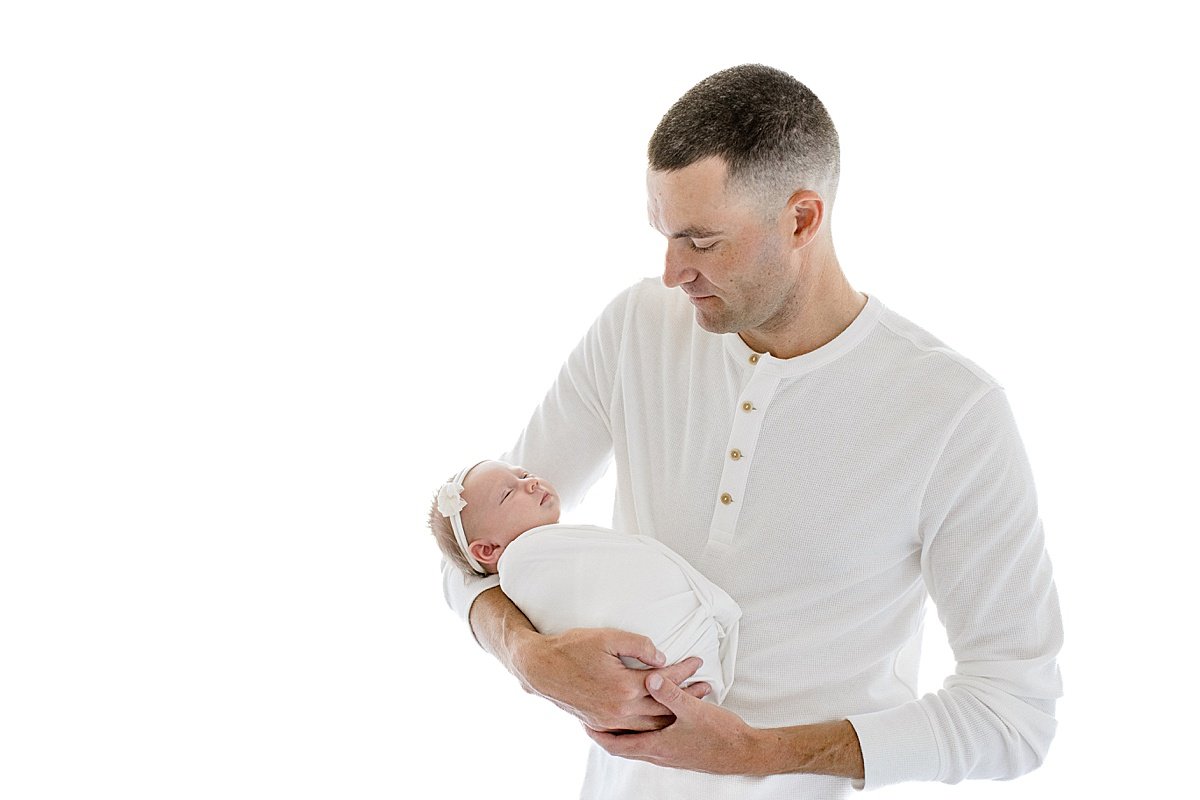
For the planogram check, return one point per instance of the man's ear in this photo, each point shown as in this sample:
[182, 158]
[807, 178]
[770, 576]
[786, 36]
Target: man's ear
[806, 212]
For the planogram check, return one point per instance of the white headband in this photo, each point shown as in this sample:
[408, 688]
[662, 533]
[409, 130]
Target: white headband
[450, 504]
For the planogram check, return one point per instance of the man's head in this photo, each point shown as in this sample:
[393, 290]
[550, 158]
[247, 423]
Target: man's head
[772, 132]
[742, 173]
[502, 502]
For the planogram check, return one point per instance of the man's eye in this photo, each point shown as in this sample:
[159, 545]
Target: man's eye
[700, 247]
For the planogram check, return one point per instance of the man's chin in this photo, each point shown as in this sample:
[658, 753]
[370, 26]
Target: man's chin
[712, 323]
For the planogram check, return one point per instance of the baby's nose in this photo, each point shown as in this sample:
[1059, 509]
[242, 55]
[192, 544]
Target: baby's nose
[531, 484]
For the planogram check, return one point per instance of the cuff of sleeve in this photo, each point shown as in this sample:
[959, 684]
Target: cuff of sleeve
[461, 590]
[898, 744]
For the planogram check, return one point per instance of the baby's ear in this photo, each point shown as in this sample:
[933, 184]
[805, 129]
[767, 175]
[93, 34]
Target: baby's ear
[486, 553]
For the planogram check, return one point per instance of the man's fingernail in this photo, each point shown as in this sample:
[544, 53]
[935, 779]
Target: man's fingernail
[659, 657]
[655, 682]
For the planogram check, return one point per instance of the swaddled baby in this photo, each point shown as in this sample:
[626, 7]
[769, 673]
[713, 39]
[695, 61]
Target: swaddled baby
[497, 518]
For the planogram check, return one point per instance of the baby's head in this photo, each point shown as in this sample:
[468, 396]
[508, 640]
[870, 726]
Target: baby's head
[493, 503]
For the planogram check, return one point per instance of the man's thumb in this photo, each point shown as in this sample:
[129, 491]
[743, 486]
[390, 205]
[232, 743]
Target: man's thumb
[667, 693]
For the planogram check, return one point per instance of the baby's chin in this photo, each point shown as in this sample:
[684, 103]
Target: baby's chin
[543, 519]
[549, 513]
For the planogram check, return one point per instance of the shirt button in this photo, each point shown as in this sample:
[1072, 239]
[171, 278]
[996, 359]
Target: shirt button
[735, 454]
[747, 406]
[727, 498]
[754, 358]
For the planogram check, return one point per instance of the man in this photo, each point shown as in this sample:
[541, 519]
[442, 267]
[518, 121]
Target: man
[823, 460]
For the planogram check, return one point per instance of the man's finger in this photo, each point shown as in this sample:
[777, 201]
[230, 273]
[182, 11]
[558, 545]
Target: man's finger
[678, 673]
[647, 724]
[629, 745]
[698, 690]
[668, 693]
[623, 643]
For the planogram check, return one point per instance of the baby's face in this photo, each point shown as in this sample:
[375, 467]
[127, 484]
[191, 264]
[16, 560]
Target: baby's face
[504, 501]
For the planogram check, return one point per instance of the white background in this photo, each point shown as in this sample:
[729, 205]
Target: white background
[271, 271]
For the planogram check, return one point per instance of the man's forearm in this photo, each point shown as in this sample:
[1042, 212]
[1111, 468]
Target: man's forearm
[827, 748]
[499, 627]
[709, 738]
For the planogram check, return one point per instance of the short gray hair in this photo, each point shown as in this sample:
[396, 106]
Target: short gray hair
[773, 133]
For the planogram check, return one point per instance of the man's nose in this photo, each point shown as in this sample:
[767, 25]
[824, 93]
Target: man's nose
[675, 271]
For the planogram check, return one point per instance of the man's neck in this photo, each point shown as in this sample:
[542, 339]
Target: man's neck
[818, 315]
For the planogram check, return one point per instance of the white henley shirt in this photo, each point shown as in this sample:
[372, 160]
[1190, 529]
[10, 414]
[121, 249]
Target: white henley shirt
[828, 494]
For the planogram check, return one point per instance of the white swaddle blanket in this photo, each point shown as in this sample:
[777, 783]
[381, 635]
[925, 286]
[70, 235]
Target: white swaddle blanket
[584, 576]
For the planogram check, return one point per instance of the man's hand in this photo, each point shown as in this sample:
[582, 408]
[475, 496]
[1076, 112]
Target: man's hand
[581, 671]
[704, 737]
[707, 738]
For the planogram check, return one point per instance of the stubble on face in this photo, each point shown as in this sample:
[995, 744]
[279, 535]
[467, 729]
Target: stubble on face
[757, 286]
[748, 281]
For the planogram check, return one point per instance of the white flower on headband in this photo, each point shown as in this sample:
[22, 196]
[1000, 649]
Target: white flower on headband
[449, 499]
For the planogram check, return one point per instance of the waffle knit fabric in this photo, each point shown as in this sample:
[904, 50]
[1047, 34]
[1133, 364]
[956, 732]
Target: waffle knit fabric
[828, 494]
[584, 576]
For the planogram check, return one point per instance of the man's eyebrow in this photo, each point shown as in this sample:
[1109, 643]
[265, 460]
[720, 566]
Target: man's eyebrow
[695, 233]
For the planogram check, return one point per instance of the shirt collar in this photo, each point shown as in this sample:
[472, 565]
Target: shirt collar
[843, 343]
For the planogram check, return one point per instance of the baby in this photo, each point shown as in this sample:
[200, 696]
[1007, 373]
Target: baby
[497, 518]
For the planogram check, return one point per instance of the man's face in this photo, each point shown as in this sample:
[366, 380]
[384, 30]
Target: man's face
[504, 501]
[730, 260]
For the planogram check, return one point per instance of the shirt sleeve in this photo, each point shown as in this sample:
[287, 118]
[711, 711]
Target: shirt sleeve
[568, 440]
[985, 565]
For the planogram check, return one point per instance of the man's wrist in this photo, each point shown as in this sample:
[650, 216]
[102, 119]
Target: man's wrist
[521, 649]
